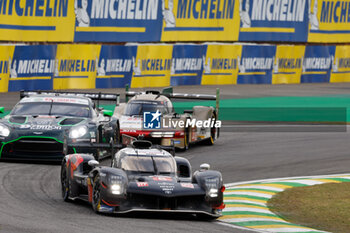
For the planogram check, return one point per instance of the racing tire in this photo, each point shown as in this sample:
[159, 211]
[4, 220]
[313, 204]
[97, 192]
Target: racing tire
[96, 194]
[186, 139]
[117, 138]
[65, 183]
[210, 141]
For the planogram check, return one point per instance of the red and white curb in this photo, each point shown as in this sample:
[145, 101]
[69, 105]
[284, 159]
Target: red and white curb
[246, 203]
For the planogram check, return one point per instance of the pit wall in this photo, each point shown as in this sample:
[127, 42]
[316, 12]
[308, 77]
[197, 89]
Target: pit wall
[77, 66]
[317, 21]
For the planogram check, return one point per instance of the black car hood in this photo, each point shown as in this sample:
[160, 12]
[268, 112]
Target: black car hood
[164, 186]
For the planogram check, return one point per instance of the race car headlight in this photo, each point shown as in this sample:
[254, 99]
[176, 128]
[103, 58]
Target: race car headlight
[78, 132]
[213, 193]
[116, 189]
[116, 184]
[4, 131]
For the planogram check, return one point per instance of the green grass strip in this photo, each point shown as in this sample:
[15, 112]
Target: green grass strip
[262, 223]
[248, 213]
[253, 189]
[337, 179]
[247, 196]
[293, 184]
[243, 203]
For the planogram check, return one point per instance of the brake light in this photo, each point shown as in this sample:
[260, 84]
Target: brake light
[223, 188]
[220, 207]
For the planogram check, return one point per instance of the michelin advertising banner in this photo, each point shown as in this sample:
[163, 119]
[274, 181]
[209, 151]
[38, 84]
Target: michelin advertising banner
[255, 64]
[76, 66]
[197, 20]
[88, 66]
[273, 20]
[117, 20]
[175, 20]
[6, 53]
[220, 64]
[115, 66]
[341, 65]
[287, 64]
[152, 66]
[329, 21]
[37, 20]
[318, 63]
[32, 67]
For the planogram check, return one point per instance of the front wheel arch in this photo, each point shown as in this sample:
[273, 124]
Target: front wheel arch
[65, 184]
[213, 132]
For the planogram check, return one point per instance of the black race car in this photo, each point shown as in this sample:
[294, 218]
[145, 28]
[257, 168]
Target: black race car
[143, 178]
[39, 124]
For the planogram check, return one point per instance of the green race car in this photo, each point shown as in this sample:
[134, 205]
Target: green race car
[38, 125]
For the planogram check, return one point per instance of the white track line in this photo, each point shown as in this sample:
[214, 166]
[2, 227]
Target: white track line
[267, 188]
[250, 209]
[252, 220]
[253, 194]
[244, 201]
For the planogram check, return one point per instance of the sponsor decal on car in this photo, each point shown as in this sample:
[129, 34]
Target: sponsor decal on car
[131, 122]
[168, 188]
[162, 178]
[187, 185]
[40, 127]
[142, 184]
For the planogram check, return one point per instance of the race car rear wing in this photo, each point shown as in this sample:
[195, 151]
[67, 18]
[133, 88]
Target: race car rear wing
[168, 92]
[94, 96]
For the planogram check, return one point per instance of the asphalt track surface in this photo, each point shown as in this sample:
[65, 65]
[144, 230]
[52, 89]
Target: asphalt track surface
[30, 199]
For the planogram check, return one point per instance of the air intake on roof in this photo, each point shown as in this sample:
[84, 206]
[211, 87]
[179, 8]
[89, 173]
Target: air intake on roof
[142, 144]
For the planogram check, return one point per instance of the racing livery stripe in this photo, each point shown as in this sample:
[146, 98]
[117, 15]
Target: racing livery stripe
[246, 202]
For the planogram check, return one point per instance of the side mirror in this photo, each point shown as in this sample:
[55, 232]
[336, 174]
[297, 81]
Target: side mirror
[204, 167]
[93, 163]
[108, 113]
[2, 109]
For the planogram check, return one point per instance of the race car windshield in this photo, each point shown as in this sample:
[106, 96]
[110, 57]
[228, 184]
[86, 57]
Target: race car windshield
[54, 109]
[137, 108]
[148, 165]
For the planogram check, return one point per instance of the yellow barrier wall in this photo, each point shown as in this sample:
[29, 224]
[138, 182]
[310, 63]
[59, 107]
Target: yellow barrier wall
[6, 52]
[76, 66]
